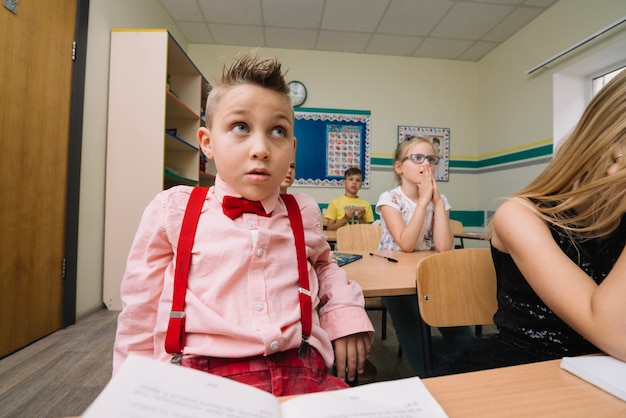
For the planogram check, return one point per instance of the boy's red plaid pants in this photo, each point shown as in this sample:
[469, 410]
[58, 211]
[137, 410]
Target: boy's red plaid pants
[281, 374]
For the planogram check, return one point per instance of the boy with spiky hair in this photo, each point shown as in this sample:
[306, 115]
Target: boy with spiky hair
[265, 303]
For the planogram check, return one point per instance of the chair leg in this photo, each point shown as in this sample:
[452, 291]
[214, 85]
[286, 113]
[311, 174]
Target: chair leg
[479, 330]
[427, 347]
[384, 323]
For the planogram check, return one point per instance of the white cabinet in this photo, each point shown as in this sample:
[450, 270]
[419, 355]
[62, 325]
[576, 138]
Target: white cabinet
[155, 101]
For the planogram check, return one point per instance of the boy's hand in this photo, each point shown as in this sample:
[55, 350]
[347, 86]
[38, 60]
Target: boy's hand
[350, 355]
[350, 212]
[354, 212]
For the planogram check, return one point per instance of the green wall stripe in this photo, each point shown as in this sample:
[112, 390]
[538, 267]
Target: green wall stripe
[516, 156]
[473, 218]
[542, 151]
[341, 111]
[381, 161]
[463, 164]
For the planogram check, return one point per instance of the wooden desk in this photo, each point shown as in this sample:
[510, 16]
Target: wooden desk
[470, 235]
[380, 277]
[530, 390]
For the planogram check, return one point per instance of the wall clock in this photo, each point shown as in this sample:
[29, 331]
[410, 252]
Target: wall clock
[297, 93]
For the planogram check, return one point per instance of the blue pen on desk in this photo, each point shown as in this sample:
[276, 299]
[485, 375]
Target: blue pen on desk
[393, 260]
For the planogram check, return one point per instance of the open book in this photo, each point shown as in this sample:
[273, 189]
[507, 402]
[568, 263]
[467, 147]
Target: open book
[605, 372]
[148, 388]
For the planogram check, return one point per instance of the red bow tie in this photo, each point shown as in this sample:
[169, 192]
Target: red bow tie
[233, 207]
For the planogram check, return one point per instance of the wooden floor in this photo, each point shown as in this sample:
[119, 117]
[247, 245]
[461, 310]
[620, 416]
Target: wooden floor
[60, 375]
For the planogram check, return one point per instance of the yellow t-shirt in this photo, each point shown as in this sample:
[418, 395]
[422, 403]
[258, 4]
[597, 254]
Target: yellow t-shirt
[338, 206]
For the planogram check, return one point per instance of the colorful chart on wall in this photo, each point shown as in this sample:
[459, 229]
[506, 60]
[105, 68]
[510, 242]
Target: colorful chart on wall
[439, 137]
[329, 141]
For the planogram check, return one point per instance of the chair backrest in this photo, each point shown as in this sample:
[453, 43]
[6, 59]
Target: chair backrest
[457, 287]
[456, 226]
[358, 237]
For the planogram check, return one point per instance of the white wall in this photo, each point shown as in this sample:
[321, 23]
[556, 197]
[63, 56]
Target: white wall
[490, 106]
[103, 16]
[572, 89]
[515, 108]
[397, 91]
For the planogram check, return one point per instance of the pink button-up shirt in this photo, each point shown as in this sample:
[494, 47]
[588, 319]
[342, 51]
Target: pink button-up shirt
[242, 292]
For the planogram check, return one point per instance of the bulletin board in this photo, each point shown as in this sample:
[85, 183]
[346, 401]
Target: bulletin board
[439, 137]
[329, 141]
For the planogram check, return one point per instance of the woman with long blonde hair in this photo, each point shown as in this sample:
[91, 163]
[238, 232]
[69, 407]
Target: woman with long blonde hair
[558, 245]
[559, 250]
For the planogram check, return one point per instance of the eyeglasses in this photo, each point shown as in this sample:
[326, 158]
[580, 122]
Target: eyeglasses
[419, 158]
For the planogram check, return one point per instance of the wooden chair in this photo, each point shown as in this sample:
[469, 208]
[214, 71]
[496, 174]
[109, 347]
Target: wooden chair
[455, 288]
[457, 228]
[363, 237]
[358, 237]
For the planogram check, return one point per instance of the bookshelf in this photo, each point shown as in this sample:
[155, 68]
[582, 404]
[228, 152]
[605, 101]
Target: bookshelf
[155, 106]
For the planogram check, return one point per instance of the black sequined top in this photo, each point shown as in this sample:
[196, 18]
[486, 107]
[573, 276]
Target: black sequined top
[525, 321]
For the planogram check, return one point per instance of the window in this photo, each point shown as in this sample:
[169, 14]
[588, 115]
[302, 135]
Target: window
[598, 82]
[573, 87]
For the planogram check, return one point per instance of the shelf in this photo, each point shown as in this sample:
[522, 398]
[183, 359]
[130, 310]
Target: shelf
[178, 61]
[177, 109]
[151, 139]
[169, 174]
[174, 143]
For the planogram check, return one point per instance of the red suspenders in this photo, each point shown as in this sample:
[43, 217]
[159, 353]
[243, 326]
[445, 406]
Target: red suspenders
[304, 292]
[175, 337]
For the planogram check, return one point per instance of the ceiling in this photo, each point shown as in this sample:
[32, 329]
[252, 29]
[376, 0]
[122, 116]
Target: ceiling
[445, 29]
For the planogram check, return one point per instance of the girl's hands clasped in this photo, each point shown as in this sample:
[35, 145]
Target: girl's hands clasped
[428, 191]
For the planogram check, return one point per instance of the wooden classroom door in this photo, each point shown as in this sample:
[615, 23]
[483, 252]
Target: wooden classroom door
[35, 91]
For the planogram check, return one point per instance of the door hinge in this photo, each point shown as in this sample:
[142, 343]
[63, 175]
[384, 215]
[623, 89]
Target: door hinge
[63, 268]
[74, 51]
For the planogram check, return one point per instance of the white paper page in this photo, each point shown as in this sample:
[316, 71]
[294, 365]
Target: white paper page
[403, 398]
[605, 372]
[148, 388]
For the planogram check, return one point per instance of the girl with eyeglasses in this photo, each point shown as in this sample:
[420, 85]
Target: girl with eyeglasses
[415, 216]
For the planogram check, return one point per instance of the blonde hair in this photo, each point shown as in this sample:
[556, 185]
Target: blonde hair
[403, 148]
[248, 68]
[574, 192]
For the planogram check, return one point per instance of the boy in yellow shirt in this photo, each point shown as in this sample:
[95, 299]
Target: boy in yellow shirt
[349, 209]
